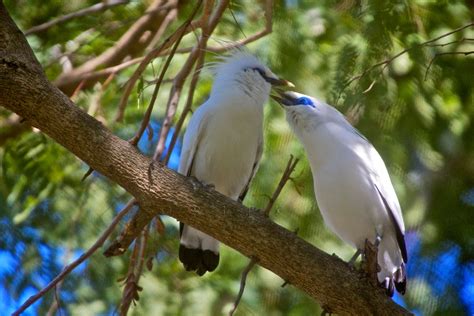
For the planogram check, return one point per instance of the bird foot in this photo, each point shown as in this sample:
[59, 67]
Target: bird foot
[326, 311]
[352, 261]
[369, 261]
[199, 185]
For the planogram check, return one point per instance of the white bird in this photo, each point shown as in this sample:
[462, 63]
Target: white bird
[223, 144]
[351, 183]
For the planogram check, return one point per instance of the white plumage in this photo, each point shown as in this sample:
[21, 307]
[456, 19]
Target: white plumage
[352, 186]
[223, 143]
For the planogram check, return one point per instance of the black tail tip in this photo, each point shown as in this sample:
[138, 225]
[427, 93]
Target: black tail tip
[198, 260]
[398, 282]
[389, 286]
[401, 279]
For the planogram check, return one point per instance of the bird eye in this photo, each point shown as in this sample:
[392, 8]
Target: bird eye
[305, 101]
[260, 71]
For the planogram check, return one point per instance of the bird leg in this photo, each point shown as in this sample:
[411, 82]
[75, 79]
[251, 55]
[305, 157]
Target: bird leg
[326, 311]
[351, 262]
[197, 184]
[369, 263]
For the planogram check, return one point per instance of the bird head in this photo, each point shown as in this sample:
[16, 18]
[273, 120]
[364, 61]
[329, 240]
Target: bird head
[244, 74]
[302, 111]
[295, 102]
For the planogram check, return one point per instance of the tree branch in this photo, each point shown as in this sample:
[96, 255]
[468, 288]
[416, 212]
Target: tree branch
[290, 167]
[388, 61]
[26, 91]
[130, 44]
[70, 267]
[102, 6]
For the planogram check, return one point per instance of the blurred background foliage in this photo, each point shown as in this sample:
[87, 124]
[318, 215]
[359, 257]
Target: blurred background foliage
[419, 119]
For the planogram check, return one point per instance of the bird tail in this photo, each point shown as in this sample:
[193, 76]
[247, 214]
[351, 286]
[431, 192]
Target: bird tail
[393, 270]
[197, 251]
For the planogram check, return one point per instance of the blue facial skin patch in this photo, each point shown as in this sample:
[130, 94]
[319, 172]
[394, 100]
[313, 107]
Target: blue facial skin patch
[305, 101]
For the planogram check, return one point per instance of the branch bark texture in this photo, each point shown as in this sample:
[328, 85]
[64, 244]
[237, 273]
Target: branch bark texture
[25, 91]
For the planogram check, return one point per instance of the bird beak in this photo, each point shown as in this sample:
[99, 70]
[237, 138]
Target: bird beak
[277, 82]
[286, 98]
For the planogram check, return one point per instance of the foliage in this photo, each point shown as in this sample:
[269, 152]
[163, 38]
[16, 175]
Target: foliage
[418, 117]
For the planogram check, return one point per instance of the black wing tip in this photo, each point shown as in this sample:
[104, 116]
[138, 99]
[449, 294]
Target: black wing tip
[403, 249]
[399, 234]
[398, 281]
[401, 287]
[401, 279]
[198, 260]
[389, 286]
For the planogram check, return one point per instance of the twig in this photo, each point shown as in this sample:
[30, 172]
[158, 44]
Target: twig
[161, 30]
[243, 281]
[209, 23]
[387, 61]
[252, 38]
[131, 43]
[104, 5]
[173, 38]
[135, 268]
[290, 167]
[464, 39]
[465, 53]
[67, 269]
[194, 80]
[146, 119]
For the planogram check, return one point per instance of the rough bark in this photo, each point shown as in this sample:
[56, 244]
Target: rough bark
[25, 91]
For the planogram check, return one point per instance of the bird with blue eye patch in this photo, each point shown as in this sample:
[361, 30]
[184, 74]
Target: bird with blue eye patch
[352, 186]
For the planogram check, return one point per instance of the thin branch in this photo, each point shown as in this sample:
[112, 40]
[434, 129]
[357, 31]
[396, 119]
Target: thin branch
[135, 268]
[252, 38]
[134, 141]
[290, 167]
[131, 43]
[161, 30]
[462, 40]
[96, 75]
[388, 61]
[173, 38]
[102, 6]
[70, 267]
[243, 281]
[465, 53]
[209, 23]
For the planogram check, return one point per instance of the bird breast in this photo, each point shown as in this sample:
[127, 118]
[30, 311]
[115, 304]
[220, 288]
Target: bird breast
[343, 183]
[228, 149]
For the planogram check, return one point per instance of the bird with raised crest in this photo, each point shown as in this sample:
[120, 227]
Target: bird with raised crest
[352, 186]
[223, 143]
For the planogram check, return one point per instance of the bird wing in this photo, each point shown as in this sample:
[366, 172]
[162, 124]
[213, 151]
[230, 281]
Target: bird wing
[255, 166]
[389, 198]
[192, 138]
[191, 141]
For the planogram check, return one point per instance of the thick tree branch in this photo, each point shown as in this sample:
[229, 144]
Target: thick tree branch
[25, 90]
